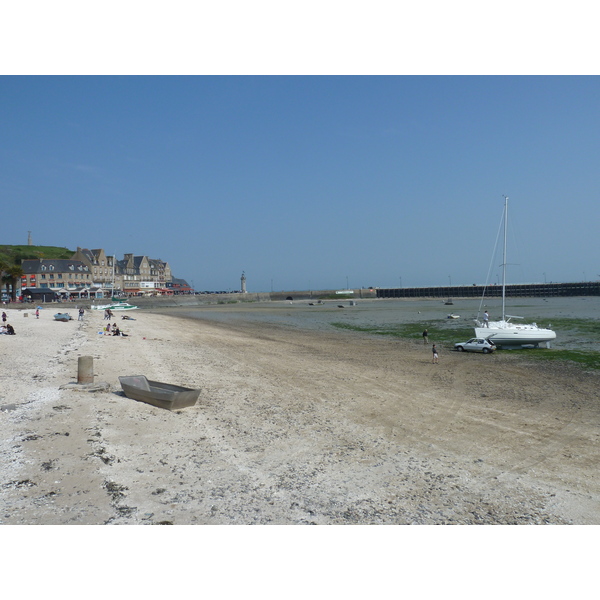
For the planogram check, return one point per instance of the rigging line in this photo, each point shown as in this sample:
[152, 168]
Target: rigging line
[491, 264]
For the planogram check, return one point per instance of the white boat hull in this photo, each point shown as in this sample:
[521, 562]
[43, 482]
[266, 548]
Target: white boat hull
[515, 335]
[123, 306]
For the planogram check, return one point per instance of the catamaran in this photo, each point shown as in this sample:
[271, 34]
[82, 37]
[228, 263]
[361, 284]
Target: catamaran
[505, 332]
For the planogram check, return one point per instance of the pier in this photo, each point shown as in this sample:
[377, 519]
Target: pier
[520, 290]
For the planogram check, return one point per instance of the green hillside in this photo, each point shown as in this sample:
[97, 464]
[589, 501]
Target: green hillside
[13, 255]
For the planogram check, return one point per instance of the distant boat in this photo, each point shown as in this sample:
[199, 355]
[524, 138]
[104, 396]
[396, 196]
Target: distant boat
[115, 306]
[504, 332]
[449, 302]
[162, 395]
[453, 316]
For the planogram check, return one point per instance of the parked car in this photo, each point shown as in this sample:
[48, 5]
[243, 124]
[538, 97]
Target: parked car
[476, 345]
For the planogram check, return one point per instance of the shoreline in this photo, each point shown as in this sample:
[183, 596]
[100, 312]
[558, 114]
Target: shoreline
[293, 426]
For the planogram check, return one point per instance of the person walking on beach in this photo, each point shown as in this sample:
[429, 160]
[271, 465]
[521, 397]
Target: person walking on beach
[37, 313]
[435, 355]
[4, 317]
[81, 312]
[425, 337]
[106, 314]
[486, 319]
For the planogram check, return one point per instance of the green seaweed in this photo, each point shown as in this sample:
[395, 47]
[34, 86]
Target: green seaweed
[442, 333]
[437, 332]
[589, 359]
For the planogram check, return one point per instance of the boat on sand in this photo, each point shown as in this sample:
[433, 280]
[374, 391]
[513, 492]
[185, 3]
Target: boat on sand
[162, 395]
[504, 332]
[62, 317]
[115, 306]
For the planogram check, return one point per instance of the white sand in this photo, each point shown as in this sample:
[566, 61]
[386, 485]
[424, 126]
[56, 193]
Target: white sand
[292, 427]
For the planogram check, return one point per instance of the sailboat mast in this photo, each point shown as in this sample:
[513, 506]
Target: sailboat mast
[504, 259]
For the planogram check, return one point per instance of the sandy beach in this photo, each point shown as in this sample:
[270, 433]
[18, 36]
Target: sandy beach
[293, 426]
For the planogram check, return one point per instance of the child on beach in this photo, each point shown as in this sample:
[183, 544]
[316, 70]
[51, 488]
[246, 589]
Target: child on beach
[435, 354]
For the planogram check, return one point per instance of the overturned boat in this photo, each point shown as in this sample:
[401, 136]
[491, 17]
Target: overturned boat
[162, 395]
[62, 317]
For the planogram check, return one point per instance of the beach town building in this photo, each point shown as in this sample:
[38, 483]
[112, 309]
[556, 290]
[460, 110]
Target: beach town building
[101, 266]
[94, 273]
[57, 277]
[132, 275]
[179, 286]
[143, 275]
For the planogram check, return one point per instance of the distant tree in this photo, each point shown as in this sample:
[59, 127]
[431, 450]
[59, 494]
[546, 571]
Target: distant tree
[4, 266]
[13, 274]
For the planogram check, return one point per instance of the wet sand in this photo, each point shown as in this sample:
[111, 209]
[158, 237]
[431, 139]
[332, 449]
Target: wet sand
[295, 424]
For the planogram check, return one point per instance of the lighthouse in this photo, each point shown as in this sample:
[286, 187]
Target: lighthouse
[243, 282]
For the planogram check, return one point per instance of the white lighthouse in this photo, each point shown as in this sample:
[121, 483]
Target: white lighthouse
[243, 282]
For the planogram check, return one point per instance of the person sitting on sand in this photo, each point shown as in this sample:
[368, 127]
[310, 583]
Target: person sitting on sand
[9, 329]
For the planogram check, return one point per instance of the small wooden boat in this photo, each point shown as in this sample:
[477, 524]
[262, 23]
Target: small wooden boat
[163, 395]
[62, 317]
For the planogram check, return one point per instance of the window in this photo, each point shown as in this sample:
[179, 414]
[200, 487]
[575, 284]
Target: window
[43, 275]
[43, 267]
[51, 275]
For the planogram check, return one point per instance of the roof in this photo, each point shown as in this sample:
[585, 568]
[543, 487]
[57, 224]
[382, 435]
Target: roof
[59, 265]
[179, 282]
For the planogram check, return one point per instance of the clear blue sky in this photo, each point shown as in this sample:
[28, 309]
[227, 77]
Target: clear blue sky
[308, 181]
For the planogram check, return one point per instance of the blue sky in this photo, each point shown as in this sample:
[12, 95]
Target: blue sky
[308, 181]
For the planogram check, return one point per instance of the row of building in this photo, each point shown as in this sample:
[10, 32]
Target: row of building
[93, 273]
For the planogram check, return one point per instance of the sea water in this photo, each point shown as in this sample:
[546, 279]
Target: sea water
[312, 315]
